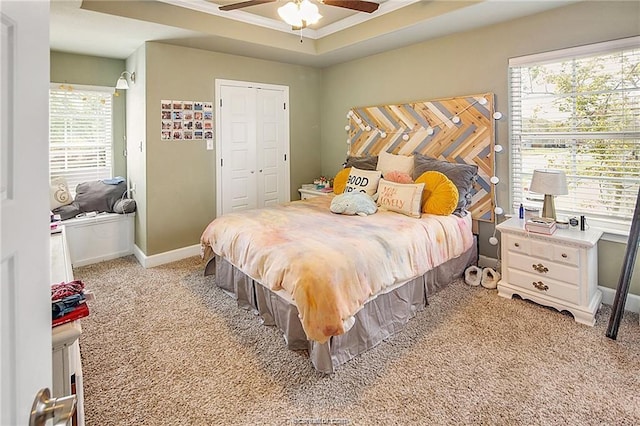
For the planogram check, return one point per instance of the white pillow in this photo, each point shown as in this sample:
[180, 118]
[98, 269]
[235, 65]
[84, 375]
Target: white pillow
[389, 162]
[403, 198]
[59, 193]
[363, 181]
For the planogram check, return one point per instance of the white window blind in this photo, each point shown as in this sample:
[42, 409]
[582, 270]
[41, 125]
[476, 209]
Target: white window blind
[578, 110]
[80, 133]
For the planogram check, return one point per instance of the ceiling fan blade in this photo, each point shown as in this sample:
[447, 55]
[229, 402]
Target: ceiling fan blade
[359, 5]
[244, 4]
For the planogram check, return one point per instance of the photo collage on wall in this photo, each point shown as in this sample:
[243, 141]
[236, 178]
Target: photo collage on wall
[186, 120]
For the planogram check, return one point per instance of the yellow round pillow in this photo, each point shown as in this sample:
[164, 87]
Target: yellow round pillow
[340, 181]
[440, 195]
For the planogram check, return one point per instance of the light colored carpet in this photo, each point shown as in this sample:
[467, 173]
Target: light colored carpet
[164, 346]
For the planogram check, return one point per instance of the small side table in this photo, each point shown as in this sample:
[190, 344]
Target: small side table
[310, 193]
[558, 270]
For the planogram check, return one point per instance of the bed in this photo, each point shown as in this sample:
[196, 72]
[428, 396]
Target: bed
[335, 296]
[338, 285]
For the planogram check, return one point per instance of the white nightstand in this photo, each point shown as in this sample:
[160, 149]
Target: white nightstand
[559, 270]
[310, 193]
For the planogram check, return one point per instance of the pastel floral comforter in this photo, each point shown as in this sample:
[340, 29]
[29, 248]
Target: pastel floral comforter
[332, 264]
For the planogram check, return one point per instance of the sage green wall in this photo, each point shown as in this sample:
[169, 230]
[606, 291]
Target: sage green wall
[180, 175]
[73, 69]
[469, 63]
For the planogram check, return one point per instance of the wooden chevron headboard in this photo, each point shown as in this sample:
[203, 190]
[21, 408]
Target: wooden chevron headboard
[458, 130]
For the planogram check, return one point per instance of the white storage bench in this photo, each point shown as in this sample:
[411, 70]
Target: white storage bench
[102, 237]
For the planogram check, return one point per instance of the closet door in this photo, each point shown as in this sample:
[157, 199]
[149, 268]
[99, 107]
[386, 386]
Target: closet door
[271, 160]
[252, 132]
[238, 144]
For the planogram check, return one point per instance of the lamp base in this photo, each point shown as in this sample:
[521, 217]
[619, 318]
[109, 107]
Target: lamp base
[548, 207]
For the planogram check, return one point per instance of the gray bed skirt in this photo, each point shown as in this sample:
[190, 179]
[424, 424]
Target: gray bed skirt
[379, 319]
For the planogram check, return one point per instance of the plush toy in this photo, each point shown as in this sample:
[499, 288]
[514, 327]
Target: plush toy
[352, 203]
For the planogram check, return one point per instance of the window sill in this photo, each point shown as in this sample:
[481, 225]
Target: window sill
[614, 236]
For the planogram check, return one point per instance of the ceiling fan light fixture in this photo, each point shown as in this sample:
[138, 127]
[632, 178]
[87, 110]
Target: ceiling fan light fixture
[299, 13]
[309, 12]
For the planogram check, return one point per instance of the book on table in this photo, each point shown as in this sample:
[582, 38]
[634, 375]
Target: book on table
[541, 225]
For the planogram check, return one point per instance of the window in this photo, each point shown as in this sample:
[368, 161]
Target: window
[80, 133]
[578, 110]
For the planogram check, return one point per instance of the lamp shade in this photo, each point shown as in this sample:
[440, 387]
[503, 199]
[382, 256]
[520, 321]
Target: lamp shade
[122, 84]
[548, 181]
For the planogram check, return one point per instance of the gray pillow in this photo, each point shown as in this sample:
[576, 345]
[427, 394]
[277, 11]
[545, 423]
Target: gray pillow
[124, 205]
[363, 163]
[463, 176]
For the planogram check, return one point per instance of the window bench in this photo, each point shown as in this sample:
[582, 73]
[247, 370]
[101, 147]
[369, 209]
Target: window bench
[102, 237]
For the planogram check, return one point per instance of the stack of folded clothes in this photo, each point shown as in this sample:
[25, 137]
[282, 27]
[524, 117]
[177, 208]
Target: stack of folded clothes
[68, 302]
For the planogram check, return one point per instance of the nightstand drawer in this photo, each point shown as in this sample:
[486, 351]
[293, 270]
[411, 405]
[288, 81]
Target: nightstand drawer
[518, 245]
[569, 255]
[543, 268]
[544, 286]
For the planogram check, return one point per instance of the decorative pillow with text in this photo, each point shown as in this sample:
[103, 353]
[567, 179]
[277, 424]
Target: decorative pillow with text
[401, 198]
[363, 181]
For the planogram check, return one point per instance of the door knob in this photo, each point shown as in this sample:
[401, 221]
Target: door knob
[45, 408]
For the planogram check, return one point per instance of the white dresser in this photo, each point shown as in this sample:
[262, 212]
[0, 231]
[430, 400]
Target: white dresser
[558, 270]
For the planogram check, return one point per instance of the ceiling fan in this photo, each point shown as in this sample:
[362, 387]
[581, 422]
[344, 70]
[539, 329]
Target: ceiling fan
[300, 13]
[358, 5]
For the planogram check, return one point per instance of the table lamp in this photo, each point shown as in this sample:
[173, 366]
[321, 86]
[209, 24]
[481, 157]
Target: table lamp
[550, 183]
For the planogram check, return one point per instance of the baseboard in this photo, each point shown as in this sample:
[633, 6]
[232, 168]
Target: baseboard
[166, 257]
[632, 304]
[608, 294]
[488, 262]
[89, 261]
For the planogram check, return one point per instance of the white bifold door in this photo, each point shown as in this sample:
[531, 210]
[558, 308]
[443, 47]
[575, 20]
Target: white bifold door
[252, 145]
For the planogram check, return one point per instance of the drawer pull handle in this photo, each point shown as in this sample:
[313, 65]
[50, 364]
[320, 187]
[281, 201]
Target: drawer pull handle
[564, 255]
[540, 268]
[517, 244]
[540, 286]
